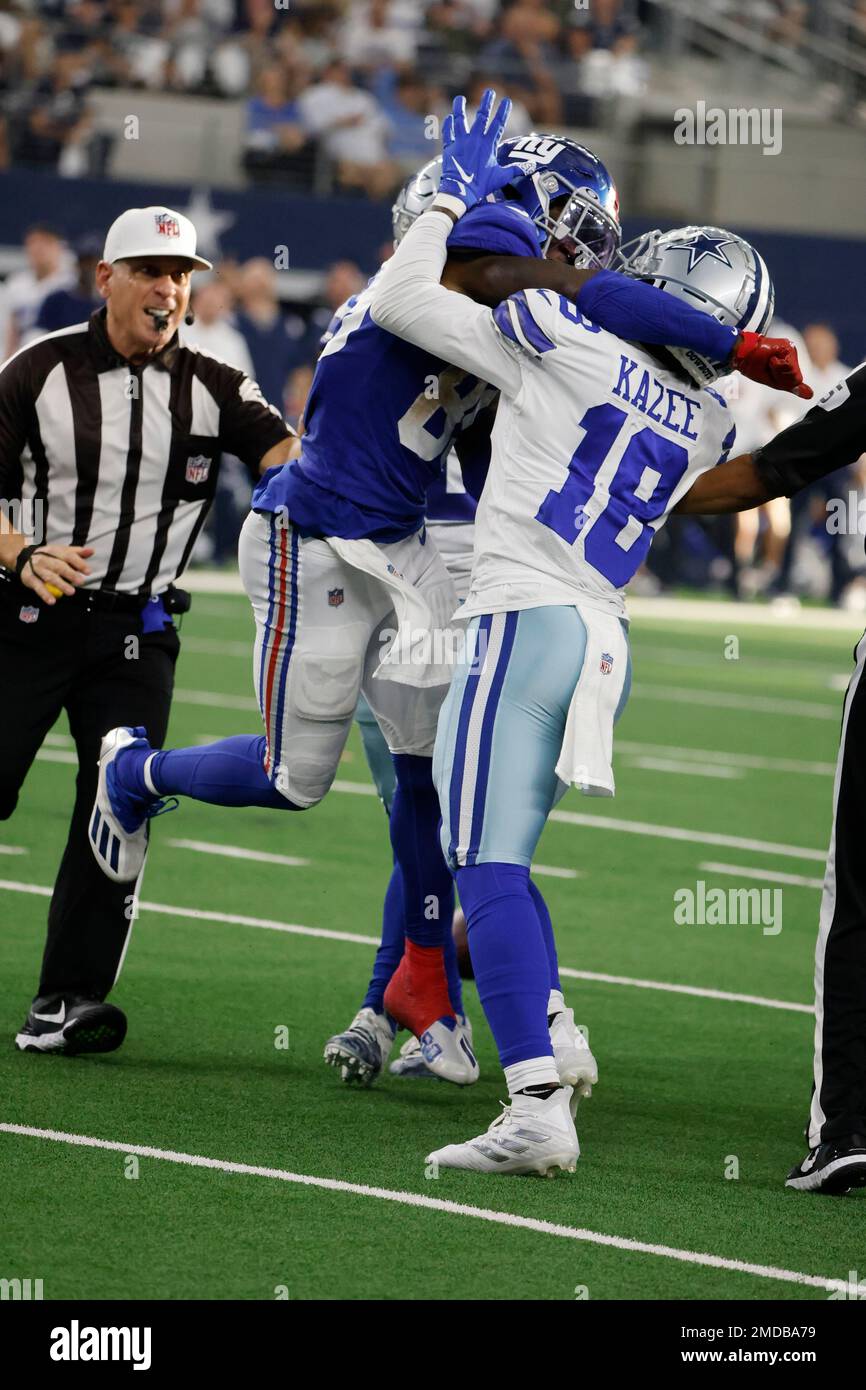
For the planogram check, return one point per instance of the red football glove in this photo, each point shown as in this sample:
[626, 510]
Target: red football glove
[772, 362]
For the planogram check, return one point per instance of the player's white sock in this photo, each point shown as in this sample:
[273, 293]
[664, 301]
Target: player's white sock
[536, 1071]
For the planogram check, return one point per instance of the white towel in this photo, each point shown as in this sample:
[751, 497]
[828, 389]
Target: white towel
[421, 632]
[587, 744]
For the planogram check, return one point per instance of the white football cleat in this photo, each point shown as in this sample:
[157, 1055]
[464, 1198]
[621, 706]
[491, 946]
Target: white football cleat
[411, 1063]
[575, 1063]
[532, 1135]
[119, 821]
[447, 1053]
[362, 1051]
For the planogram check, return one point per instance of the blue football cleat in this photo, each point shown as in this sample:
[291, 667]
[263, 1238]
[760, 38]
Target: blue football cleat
[119, 822]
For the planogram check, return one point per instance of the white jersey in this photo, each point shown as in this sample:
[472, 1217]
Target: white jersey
[594, 442]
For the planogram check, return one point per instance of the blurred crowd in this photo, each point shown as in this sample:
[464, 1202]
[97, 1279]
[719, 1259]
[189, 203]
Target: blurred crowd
[349, 82]
[812, 547]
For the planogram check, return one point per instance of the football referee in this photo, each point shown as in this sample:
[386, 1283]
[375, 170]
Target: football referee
[830, 436]
[110, 440]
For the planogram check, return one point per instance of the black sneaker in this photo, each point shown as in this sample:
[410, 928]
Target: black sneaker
[834, 1167]
[71, 1024]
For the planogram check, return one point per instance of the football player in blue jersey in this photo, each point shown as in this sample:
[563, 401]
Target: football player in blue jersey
[335, 559]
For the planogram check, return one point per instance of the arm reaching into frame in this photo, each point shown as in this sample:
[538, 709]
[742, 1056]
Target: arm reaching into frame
[832, 435]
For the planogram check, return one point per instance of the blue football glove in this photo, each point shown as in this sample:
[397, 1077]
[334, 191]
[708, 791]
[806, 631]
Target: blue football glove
[470, 170]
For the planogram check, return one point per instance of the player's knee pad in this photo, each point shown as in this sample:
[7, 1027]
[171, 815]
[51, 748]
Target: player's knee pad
[324, 687]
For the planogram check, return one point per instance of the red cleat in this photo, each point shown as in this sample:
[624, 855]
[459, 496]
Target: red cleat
[417, 997]
[417, 993]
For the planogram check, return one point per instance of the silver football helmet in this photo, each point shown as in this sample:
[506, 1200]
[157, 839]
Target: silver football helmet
[710, 269]
[415, 197]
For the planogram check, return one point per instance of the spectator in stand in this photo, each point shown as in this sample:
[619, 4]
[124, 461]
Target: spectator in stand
[462, 25]
[524, 52]
[407, 101]
[823, 346]
[49, 268]
[380, 33]
[273, 345]
[65, 307]
[273, 124]
[57, 121]
[212, 330]
[352, 129]
[297, 391]
[343, 279]
[810, 505]
[519, 122]
[138, 52]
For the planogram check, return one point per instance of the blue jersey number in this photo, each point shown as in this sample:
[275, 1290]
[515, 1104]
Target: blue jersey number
[622, 499]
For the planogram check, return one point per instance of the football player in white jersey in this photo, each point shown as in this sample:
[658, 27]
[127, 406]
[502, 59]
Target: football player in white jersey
[596, 441]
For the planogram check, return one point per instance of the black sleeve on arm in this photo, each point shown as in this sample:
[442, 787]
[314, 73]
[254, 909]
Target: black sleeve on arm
[249, 426]
[490, 279]
[832, 435]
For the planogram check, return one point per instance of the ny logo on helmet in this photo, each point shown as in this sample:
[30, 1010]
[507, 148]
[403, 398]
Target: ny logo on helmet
[540, 147]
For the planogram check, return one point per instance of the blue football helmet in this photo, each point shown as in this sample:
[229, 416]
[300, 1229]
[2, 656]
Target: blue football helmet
[712, 270]
[571, 198]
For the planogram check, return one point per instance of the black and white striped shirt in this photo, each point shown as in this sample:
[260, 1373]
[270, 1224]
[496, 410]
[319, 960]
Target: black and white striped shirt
[124, 458]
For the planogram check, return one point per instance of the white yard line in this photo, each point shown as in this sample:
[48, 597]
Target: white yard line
[723, 699]
[204, 646]
[681, 610]
[439, 1204]
[295, 929]
[706, 755]
[672, 694]
[239, 852]
[723, 995]
[739, 615]
[765, 875]
[691, 837]
[57, 755]
[687, 769]
[214, 700]
[13, 849]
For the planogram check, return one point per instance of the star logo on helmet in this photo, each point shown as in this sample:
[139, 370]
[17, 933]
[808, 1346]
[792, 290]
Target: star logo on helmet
[702, 245]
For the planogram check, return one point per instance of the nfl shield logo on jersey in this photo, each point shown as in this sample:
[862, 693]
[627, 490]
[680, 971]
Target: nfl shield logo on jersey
[606, 664]
[197, 469]
[29, 615]
[335, 598]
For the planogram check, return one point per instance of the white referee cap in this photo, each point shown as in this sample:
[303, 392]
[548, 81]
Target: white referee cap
[152, 232]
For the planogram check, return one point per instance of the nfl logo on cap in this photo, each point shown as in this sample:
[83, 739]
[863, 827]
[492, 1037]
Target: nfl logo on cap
[166, 225]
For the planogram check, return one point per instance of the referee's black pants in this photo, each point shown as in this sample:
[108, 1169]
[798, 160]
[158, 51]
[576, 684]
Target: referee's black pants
[839, 1096]
[99, 667]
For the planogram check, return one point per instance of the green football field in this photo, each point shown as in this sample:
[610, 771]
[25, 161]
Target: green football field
[231, 1166]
